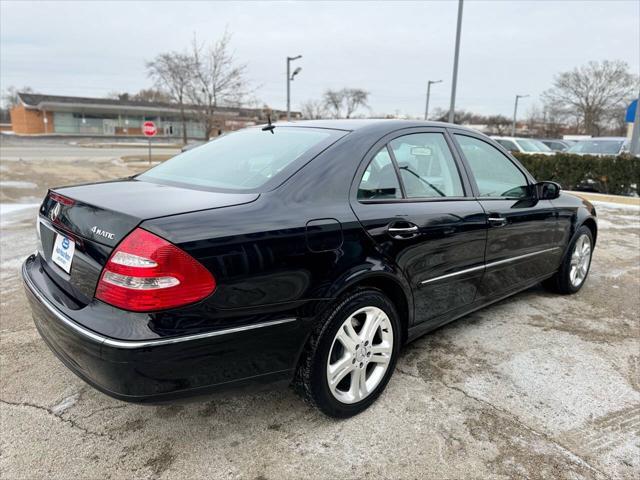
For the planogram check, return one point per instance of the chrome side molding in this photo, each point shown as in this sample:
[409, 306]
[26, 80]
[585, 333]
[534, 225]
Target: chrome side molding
[489, 265]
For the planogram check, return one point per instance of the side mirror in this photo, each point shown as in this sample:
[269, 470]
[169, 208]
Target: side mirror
[547, 190]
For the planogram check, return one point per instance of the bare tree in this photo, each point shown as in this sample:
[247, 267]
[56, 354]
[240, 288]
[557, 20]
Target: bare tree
[9, 100]
[116, 95]
[218, 79]
[554, 122]
[498, 124]
[10, 96]
[353, 99]
[461, 117]
[173, 73]
[333, 102]
[144, 95]
[314, 109]
[592, 93]
[152, 95]
[347, 99]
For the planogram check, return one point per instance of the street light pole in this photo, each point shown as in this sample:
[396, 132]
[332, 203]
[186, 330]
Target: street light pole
[426, 108]
[515, 112]
[289, 78]
[454, 82]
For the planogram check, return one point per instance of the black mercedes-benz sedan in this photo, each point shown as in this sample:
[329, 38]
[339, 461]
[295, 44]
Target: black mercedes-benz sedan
[305, 252]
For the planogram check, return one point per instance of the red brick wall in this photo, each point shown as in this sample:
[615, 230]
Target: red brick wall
[26, 121]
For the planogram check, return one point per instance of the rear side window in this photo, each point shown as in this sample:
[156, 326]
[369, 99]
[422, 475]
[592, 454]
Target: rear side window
[495, 174]
[508, 144]
[243, 160]
[379, 180]
[555, 146]
[426, 166]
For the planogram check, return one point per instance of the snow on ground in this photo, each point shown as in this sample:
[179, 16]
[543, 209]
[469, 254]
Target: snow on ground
[13, 212]
[17, 184]
[615, 206]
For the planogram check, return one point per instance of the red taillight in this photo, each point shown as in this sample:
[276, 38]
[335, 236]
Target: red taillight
[61, 199]
[146, 273]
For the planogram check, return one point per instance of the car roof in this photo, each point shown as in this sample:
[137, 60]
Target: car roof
[369, 124]
[617, 139]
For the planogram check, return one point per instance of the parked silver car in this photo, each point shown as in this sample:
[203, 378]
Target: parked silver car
[524, 145]
[610, 146]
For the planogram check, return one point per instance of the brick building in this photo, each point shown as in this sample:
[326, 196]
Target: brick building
[37, 114]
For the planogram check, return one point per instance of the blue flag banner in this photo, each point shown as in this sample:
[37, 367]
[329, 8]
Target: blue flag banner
[631, 112]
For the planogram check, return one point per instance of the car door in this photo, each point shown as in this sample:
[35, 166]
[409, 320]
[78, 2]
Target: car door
[417, 205]
[523, 235]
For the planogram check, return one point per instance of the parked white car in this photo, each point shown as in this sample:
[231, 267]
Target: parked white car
[524, 145]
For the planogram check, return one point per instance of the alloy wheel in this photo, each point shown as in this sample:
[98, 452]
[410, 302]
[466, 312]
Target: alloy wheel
[580, 260]
[360, 355]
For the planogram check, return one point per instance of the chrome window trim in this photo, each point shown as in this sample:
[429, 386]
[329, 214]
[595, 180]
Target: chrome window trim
[488, 265]
[131, 344]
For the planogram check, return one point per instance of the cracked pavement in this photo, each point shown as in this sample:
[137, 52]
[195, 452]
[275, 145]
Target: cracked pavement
[536, 386]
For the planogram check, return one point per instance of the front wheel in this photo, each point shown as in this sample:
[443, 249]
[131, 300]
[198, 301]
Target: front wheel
[351, 354]
[574, 270]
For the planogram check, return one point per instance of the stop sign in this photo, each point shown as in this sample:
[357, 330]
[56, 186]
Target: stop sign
[149, 129]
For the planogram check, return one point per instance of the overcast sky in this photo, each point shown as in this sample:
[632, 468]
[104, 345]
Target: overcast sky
[390, 49]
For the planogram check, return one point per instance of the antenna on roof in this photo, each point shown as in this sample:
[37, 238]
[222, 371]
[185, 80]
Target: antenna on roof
[270, 127]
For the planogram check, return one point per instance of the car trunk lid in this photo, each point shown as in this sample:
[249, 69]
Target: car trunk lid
[94, 218]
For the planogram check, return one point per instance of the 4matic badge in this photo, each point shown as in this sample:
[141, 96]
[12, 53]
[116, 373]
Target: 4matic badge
[102, 233]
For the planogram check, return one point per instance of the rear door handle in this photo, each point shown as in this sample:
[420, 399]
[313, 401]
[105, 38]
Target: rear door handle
[497, 221]
[407, 230]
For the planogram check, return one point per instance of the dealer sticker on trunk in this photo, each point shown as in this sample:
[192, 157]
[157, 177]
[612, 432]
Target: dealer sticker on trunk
[62, 254]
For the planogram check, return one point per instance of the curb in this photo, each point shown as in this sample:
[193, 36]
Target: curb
[602, 197]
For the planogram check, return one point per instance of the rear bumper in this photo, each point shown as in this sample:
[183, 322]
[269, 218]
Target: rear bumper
[159, 369]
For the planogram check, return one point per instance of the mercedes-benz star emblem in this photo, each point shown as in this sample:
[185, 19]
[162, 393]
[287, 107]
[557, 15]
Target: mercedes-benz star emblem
[54, 212]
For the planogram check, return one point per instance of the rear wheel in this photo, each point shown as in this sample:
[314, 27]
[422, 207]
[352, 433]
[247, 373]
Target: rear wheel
[351, 354]
[574, 270]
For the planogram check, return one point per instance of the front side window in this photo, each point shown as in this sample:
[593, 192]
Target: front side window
[426, 166]
[242, 160]
[495, 174]
[379, 180]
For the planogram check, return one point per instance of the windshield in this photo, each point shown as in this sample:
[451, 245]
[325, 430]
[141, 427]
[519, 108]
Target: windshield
[597, 147]
[532, 145]
[242, 160]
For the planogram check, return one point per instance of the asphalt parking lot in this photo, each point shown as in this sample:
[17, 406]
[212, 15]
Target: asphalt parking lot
[537, 386]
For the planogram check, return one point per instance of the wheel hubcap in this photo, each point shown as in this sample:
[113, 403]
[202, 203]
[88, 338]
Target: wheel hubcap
[580, 260]
[360, 355]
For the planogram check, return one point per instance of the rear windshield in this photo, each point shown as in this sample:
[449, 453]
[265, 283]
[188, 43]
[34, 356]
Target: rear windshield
[244, 160]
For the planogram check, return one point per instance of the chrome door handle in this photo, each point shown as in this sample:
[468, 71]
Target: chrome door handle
[497, 221]
[403, 233]
[403, 229]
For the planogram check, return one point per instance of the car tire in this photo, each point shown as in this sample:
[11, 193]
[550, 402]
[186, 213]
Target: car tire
[327, 358]
[573, 272]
